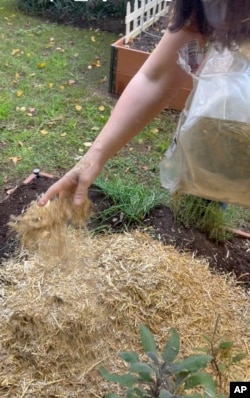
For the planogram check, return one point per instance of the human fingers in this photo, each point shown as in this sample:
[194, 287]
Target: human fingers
[52, 191]
[67, 183]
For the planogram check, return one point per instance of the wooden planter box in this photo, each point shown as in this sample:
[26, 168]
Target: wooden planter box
[124, 64]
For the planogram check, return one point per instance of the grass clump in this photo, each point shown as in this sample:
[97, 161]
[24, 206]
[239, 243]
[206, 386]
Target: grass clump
[130, 201]
[207, 216]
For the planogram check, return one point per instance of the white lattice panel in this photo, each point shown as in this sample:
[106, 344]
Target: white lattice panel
[143, 14]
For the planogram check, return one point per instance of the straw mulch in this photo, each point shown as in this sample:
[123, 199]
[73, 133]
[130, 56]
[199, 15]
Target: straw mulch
[65, 314]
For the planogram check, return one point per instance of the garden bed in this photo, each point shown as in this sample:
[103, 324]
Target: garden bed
[232, 257]
[127, 58]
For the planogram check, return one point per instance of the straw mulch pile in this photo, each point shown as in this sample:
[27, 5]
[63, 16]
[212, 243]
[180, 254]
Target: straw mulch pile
[66, 312]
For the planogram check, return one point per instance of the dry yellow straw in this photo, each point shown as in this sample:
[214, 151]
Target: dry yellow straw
[61, 320]
[44, 228]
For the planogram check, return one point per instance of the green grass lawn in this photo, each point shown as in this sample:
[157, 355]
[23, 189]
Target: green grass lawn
[54, 101]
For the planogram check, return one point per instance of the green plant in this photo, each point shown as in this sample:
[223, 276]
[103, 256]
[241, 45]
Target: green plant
[71, 12]
[165, 376]
[130, 201]
[207, 216]
[224, 356]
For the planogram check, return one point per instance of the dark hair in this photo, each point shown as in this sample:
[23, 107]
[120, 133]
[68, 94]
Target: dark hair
[221, 20]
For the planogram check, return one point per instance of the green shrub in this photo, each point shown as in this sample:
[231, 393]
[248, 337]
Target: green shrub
[72, 12]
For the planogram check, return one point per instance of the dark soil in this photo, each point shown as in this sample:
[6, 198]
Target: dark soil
[148, 40]
[230, 257]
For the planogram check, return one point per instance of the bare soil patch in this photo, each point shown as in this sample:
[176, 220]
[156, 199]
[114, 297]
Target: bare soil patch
[229, 257]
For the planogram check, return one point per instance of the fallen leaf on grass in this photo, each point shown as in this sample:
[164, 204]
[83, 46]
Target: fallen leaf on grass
[19, 93]
[15, 51]
[41, 65]
[71, 82]
[96, 63]
[44, 132]
[15, 159]
[87, 144]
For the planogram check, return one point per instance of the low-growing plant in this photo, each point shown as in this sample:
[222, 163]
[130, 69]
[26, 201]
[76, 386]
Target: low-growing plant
[224, 356]
[207, 216]
[166, 376]
[130, 202]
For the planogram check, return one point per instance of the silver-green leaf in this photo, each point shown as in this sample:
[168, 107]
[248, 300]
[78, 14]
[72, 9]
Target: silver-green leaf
[147, 340]
[126, 380]
[129, 356]
[172, 347]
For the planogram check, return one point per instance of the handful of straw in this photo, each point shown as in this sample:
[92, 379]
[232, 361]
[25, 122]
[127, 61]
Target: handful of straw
[45, 224]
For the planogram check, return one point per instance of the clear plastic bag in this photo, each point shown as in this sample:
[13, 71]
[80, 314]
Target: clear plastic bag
[210, 153]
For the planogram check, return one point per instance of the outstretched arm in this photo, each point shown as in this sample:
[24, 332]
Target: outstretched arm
[148, 93]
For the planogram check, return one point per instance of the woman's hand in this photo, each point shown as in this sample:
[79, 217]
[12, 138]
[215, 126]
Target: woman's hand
[75, 182]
